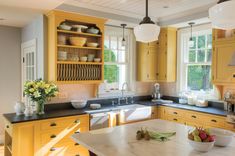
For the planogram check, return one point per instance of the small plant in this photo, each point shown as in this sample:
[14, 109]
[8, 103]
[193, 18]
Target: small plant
[40, 91]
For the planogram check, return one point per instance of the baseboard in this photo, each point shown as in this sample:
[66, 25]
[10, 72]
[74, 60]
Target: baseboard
[1, 139]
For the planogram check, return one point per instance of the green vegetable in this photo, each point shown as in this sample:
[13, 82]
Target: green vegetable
[161, 136]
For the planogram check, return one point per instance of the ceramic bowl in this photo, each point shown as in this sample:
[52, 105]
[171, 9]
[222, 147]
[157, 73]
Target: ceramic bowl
[97, 59]
[62, 55]
[93, 30]
[65, 27]
[83, 59]
[78, 104]
[201, 146]
[222, 137]
[91, 44]
[78, 41]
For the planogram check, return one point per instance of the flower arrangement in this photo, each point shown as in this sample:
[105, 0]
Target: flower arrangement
[40, 92]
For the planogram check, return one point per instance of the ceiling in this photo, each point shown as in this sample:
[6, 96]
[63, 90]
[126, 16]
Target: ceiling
[159, 10]
[18, 13]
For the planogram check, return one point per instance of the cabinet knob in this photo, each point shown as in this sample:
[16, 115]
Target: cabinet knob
[53, 124]
[77, 121]
[213, 120]
[53, 149]
[193, 116]
[175, 113]
[175, 119]
[53, 136]
[77, 132]
[76, 144]
[7, 126]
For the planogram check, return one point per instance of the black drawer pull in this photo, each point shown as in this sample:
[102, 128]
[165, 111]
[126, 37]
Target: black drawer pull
[77, 132]
[213, 120]
[76, 144]
[77, 155]
[7, 126]
[53, 124]
[53, 136]
[53, 149]
[77, 121]
[175, 119]
[175, 113]
[193, 116]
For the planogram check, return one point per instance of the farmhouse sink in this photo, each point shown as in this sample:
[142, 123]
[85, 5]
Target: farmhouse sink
[134, 112]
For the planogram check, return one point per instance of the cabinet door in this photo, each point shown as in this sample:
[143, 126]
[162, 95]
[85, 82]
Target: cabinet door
[161, 64]
[152, 64]
[142, 61]
[222, 55]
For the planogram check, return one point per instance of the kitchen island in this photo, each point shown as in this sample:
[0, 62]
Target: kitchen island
[121, 141]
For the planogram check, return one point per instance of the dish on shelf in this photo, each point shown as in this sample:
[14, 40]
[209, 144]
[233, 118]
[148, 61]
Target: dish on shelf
[65, 27]
[61, 39]
[91, 57]
[77, 41]
[83, 59]
[62, 55]
[93, 30]
[80, 28]
[92, 44]
[97, 59]
[77, 104]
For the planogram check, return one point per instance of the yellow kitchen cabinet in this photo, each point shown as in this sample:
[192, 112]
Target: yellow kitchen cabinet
[67, 69]
[46, 137]
[156, 61]
[166, 60]
[220, 36]
[222, 73]
[146, 61]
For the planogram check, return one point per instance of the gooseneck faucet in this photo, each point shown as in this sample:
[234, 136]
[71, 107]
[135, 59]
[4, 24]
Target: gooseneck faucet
[122, 96]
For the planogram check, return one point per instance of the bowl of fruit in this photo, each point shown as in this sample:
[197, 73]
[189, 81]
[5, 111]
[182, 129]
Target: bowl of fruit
[201, 139]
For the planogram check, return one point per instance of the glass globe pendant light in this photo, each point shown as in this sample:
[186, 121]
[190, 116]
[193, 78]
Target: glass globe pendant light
[147, 30]
[123, 35]
[191, 42]
[222, 15]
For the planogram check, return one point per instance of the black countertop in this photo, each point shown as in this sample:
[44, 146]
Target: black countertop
[66, 109]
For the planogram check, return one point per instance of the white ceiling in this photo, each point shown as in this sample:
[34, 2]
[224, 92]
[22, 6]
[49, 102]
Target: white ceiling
[136, 8]
[18, 13]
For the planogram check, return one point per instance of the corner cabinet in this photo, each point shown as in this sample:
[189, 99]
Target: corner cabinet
[156, 61]
[71, 69]
[223, 50]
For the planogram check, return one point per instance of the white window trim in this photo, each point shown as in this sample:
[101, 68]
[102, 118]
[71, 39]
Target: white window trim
[181, 76]
[109, 30]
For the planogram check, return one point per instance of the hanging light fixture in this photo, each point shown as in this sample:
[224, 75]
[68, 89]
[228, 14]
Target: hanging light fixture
[147, 30]
[123, 34]
[222, 14]
[191, 42]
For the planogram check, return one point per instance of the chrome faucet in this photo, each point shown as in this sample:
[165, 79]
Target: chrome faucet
[122, 97]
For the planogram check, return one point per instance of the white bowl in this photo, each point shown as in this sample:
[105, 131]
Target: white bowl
[95, 106]
[77, 104]
[91, 44]
[222, 137]
[97, 59]
[65, 27]
[83, 59]
[201, 146]
[80, 28]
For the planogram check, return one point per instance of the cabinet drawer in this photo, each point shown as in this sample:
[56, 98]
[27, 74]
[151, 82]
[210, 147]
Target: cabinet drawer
[175, 119]
[66, 149]
[51, 124]
[214, 122]
[174, 112]
[229, 126]
[56, 136]
[194, 118]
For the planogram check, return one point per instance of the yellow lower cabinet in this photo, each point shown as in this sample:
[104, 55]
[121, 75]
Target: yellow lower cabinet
[175, 119]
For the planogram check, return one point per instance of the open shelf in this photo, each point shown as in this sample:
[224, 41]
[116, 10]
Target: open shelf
[74, 62]
[77, 47]
[78, 33]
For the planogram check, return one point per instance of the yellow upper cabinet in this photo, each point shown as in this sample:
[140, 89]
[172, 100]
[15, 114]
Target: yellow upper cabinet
[65, 48]
[222, 73]
[223, 35]
[156, 61]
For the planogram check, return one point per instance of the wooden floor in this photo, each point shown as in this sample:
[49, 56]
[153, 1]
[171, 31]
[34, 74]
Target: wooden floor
[1, 150]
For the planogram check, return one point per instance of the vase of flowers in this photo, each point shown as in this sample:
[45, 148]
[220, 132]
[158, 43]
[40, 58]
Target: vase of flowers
[40, 92]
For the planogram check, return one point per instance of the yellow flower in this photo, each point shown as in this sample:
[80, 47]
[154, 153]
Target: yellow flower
[31, 90]
[36, 94]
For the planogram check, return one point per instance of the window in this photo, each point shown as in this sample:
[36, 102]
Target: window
[116, 60]
[195, 62]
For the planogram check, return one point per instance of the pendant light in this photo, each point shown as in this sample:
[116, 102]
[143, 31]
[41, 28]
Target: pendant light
[191, 42]
[147, 30]
[123, 35]
[222, 15]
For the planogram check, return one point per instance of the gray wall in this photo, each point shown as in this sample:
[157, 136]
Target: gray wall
[10, 71]
[37, 30]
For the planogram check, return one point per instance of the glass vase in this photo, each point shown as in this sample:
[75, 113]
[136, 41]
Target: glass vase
[40, 107]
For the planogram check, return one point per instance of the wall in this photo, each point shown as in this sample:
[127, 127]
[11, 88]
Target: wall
[10, 79]
[37, 29]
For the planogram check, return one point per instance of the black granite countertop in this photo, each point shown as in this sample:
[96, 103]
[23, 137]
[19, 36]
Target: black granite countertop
[66, 109]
